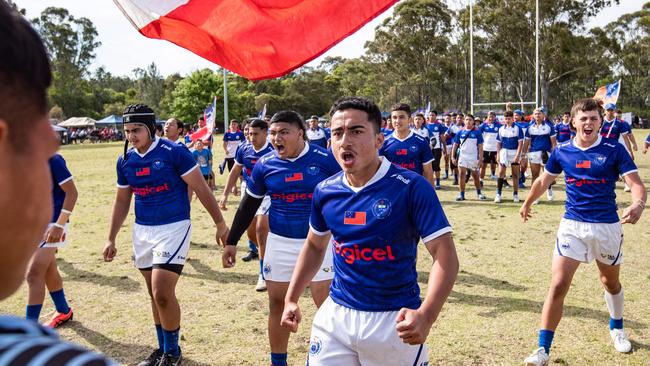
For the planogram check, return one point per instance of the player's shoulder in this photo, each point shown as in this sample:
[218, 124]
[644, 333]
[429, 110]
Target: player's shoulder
[331, 184]
[564, 146]
[399, 177]
[419, 139]
[267, 158]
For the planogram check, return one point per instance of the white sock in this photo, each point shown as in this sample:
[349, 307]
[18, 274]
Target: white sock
[615, 304]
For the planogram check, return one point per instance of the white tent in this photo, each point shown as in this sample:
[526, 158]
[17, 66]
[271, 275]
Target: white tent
[78, 122]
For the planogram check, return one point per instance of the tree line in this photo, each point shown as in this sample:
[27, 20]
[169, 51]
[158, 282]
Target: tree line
[420, 54]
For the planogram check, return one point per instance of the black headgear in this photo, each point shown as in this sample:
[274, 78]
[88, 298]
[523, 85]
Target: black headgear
[142, 114]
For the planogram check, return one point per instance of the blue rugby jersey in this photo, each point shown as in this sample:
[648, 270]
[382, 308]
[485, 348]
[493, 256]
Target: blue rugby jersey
[155, 178]
[563, 132]
[436, 130]
[247, 156]
[376, 230]
[509, 137]
[411, 153]
[60, 175]
[590, 176]
[540, 136]
[290, 183]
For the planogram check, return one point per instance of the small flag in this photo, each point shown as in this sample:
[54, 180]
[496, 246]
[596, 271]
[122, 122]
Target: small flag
[427, 110]
[354, 218]
[142, 172]
[295, 177]
[609, 93]
[262, 113]
[583, 164]
[402, 152]
[205, 132]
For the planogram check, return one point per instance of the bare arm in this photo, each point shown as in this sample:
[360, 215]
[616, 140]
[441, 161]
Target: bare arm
[195, 180]
[230, 183]
[413, 326]
[553, 142]
[308, 263]
[225, 147]
[120, 210]
[633, 212]
[540, 185]
[427, 172]
[626, 140]
[55, 233]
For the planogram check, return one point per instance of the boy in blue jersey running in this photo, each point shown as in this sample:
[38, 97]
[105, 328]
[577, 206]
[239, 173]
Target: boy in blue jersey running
[288, 175]
[466, 154]
[405, 148]
[42, 270]
[158, 172]
[590, 228]
[246, 157]
[375, 213]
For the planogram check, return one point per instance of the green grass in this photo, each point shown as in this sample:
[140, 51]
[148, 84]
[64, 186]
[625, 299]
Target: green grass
[491, 317]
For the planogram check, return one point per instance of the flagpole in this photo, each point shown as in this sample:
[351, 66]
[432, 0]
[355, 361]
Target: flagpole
[225, 99]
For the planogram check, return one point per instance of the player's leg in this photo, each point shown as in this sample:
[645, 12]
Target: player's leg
[251, 233]
[435, 165]
[278, 335]
[448, 151]
[500, 179]
[461, 183]
[477, 184]
[163, 285]
[54, 285]
[35, 278]
[609, 277]
[515, 179]
[484, 161]
[522, 170]
[333, 340]
[320, 290]
[262, 231]
[154, 357]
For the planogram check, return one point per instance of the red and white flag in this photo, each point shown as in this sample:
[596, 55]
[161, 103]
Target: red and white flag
[257, 39]
[204, 132]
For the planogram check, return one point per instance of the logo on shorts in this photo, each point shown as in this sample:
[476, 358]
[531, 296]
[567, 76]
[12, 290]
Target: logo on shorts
[565, 246]
[315, 346]
[161, 254]
[381, 208]
[157, 164]
[328, 269]
[607, 256]
[313, 170]
[267, 269]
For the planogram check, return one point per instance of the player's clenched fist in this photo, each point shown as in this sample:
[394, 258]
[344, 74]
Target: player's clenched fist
[109, 251]
[291, 316]
[412, 326]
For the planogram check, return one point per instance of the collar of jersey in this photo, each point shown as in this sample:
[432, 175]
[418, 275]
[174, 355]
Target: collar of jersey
[263, 147]
[153, 146]
[302, 153]
[573, 142]
[406, 138]
[381, 172]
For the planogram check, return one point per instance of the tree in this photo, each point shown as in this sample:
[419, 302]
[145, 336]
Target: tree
[194, 93]
[150, 86]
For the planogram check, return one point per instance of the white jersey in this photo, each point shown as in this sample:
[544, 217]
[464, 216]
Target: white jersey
[423, 132]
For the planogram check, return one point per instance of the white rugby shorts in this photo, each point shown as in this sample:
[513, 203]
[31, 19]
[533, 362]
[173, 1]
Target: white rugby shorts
[464, 162]
[449, 148]
[161, 244]
[506, 157]
[59, 244]
[345, 336]
[535, 157]
[586, 241]
[281, 255]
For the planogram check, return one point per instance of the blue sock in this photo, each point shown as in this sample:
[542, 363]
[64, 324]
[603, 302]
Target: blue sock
[170, 342]
[278, 359]
[32, 312]
[262, 267]
[478, 191]
[615, 323]
[252, 247]
[462, 194]
[437, 181]
[161, 337]
[61, 305]
[546, 339]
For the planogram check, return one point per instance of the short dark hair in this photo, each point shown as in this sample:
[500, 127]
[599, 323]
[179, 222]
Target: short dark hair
[234, 121]
[258, 123]
[25, 75]
[401, 107]
[361, 104]
[292, 118]
[178, 122]
[585, 105]
[419, 115]
[508, 114]
[434, 112]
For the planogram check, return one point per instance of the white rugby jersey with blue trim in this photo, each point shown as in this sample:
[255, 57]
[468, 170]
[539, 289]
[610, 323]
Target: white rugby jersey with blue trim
[436, 129]
[509, 137]
[489, 131]
[590, 175]
[155, 178]
[290, 183]
[376, 229]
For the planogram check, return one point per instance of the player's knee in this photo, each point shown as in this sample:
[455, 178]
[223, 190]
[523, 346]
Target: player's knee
[162, 298]
[35, 275]
[276, 305]
[612, 285]
[560, 287]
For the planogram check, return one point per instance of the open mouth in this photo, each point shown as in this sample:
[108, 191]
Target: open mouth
[348, 158]
[280, 148]
[588, 131]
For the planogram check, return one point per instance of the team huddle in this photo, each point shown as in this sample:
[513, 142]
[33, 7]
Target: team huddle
[344, 215]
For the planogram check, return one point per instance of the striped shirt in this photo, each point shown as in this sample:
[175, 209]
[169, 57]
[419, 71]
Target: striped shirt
[24, 342]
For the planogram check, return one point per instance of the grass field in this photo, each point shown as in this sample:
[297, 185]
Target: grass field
[491, 317]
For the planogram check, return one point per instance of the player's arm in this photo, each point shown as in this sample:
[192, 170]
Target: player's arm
[413, 326]
[195, 181]
[309, 261]
[55, 232]
[480, 152]
[538, 188]
[626, 140]
[120, 210]
[243, 217]
[524, 150]
[633, 212]
[632, 140]
[225, 147]
[230, 183]
[427, 172]
[520, 147]
[454, 153]
[499, 150]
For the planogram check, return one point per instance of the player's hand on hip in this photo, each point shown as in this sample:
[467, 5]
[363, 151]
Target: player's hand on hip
[110, 251]
[632, 214]
[228, 256]
[291, 316]
[525, 212]
[222, 233]
[53, 234]
[413, 326]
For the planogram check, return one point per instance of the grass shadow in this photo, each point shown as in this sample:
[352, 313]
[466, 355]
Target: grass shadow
[205, 272]
[504, 304]
[124, 353]
[120, 283]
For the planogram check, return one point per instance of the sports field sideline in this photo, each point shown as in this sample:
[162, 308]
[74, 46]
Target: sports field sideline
[491, 317]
